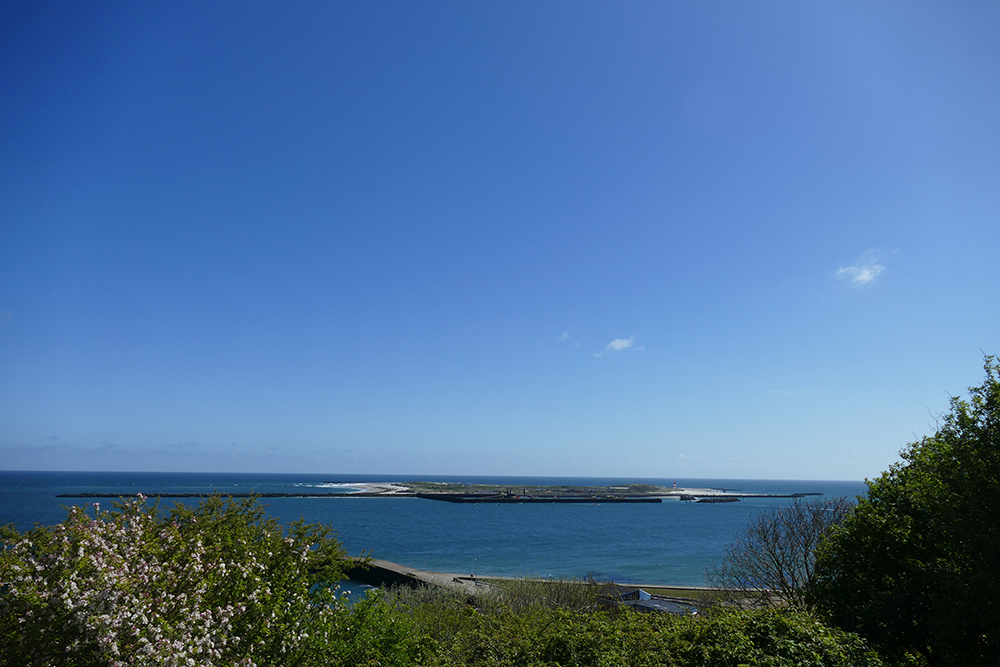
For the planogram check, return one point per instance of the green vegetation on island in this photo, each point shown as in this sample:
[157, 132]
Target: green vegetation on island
[628, 489]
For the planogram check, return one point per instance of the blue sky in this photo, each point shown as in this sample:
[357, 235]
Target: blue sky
[731, 239]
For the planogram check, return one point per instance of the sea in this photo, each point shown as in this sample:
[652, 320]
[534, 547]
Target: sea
[670, 543]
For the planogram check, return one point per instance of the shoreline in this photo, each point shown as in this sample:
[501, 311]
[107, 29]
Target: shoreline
[378, 573]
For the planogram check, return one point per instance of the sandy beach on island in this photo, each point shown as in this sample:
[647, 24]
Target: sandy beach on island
[383, 489]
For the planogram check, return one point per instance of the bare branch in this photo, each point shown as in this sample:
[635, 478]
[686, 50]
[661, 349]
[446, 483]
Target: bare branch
[771, 563]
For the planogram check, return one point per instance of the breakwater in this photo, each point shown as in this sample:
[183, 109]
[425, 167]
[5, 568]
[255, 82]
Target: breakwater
[305, 494]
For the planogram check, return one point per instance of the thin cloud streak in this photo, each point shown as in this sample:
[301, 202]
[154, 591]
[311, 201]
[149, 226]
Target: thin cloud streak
[863, 271]
[619, 344]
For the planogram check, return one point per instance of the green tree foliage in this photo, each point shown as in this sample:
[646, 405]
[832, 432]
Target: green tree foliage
[916, 566]
[763, 637]
[513, 627]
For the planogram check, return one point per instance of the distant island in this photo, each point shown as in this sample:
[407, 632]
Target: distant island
[457, 492]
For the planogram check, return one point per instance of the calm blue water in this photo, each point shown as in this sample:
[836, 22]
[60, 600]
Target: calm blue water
[673, 542]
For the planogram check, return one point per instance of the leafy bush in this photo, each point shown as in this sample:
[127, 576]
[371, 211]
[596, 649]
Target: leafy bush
[219, 584]
[775, 638]
[439, 614]
[916, 566]
[527, 593]
[487, 631]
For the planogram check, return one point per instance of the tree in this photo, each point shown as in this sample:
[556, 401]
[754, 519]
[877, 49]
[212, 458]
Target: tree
[916, 565]
[771, 563]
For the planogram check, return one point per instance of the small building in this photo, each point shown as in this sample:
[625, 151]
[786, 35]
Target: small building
[664, 605]
[635, 594]
[640, 600]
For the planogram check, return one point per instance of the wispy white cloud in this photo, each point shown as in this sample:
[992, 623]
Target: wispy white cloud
[863, 271]
[565, 336]
[619, 344]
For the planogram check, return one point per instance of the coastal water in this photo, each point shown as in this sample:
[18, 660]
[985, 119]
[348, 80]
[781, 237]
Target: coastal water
[672, 542]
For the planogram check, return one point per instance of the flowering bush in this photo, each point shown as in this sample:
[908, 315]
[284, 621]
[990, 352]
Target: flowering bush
[218, 584]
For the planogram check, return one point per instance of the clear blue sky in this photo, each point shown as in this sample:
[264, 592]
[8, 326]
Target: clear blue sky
[646, 239]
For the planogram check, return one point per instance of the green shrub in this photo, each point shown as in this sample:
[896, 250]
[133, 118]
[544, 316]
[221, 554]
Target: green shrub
[915, 567]
[528, 593]
[218, 584]
[534, 635]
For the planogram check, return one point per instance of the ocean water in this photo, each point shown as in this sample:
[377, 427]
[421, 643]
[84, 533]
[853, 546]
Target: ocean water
[671, 543]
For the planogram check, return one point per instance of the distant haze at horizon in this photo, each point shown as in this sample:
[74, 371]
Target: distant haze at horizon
[743, 241]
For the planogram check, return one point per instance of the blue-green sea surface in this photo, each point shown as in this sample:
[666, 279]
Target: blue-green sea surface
[671, 543]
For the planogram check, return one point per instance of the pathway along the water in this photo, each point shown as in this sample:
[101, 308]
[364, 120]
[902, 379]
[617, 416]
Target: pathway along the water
[383, 573]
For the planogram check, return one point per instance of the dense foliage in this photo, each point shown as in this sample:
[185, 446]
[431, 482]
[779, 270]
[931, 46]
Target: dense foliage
[495, 634]
[916, 566]
[220, 584]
